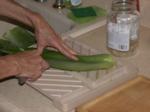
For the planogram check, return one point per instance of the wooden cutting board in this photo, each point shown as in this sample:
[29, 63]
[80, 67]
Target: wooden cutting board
[134, 96]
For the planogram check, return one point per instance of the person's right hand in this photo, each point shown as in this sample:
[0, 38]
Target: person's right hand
[30, 64]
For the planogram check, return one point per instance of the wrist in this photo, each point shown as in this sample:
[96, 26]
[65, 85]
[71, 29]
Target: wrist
[35, 19]
[12, 65]
[16, 65]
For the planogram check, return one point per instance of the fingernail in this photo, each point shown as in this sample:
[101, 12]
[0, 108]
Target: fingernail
[73, 52]
[75, 58]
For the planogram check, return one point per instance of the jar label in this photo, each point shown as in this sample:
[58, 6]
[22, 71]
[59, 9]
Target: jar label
[118, 36]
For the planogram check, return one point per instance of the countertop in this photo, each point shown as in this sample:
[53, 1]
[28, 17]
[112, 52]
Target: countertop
[26, 99]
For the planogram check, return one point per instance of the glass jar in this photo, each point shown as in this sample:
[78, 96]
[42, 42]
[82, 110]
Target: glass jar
[123, 28]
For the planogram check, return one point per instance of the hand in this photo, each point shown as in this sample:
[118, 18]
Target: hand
[46, 36]
[30, 64]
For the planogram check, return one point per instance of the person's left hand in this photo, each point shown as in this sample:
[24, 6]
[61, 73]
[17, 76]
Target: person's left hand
[46, 36]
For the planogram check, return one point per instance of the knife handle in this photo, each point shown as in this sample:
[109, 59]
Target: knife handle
[22, 80]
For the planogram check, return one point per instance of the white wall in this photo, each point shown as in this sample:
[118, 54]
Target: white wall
[145, 12]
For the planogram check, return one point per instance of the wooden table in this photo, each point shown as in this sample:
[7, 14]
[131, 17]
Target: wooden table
[134, 96]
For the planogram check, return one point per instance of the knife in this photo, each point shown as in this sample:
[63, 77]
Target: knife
[22, 80]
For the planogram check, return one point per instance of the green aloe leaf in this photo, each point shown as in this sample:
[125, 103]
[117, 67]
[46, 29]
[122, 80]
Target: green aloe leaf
[20, 37]
[6, 47]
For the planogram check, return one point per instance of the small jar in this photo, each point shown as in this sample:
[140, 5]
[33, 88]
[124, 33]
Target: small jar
[123, 28]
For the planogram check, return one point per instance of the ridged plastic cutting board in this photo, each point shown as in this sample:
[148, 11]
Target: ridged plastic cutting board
[68, 90]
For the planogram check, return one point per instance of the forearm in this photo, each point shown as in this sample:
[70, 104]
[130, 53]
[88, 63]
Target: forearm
[8, 67]
[13, 10]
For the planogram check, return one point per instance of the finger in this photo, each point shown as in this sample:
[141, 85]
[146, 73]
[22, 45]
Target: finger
[65, 51]
[69, 49]
[31, 53]
[59, 45]
[23, 75]
[45, 66]
[35, 76]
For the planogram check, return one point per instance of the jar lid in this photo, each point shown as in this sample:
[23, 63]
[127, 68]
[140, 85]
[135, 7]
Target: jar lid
[123, 5]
